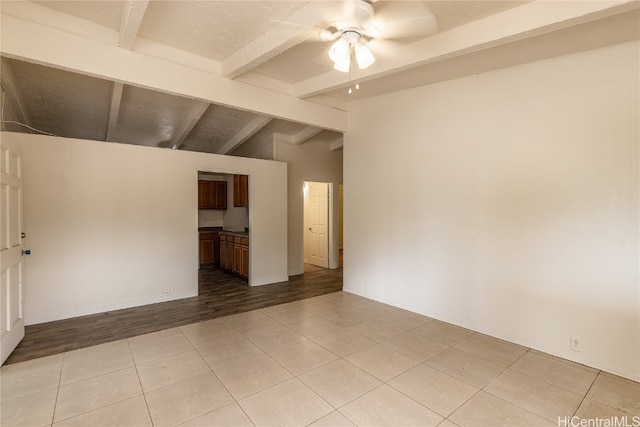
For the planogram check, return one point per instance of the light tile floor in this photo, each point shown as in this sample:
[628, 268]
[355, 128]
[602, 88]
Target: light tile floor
[334, 360]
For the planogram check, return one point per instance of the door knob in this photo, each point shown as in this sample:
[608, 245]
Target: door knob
[26, 252]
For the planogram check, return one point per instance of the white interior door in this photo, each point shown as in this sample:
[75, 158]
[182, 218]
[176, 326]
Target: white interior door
[11, 259]
[317, 232]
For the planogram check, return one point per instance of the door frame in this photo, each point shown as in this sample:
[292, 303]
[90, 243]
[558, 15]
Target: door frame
[331, 224]
[226, 173]
[11, 252]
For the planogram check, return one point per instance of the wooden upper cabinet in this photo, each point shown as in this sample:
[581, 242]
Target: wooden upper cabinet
[212, 195]
[219, 194]
[241, 191]
[204, 195]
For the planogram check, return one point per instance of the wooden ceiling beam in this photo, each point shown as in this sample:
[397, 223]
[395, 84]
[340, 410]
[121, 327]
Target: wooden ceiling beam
[114, 109]
[193, 117]
[337, 144]
[245, 133]
[298, 138]
[295, 29]
[131, 20]
[132, 16]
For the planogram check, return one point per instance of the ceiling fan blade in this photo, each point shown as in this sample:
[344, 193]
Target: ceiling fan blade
[403, 19]
[322, 33]
[328, 36]
[293, 24]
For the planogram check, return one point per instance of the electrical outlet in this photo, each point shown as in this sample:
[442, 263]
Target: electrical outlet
[167, 289]
[576, 344]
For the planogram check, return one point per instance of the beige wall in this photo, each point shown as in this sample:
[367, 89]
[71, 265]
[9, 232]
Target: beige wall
[311, 161]
[111, 225]
[507, 203]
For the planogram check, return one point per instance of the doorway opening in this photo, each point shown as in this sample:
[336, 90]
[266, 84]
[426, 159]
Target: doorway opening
[223, 230]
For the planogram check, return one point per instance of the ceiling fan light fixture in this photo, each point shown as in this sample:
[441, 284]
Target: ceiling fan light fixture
[340, 50]
[344, 64]
[364, 57]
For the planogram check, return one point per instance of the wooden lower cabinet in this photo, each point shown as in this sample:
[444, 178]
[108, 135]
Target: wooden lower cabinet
[229, 256]
[237, 257]
[234, 254]
[223, 251]
[244, 269]
[209, 249]
[226, 252]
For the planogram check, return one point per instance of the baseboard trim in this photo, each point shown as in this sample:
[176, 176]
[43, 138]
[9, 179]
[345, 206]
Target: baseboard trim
[269, 280]
[104, 308]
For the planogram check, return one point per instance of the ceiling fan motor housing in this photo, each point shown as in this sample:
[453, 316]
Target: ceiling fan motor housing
[355, 14]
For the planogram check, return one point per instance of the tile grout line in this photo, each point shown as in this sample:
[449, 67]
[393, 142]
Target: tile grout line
[190, 378]
[92, 378]
[144, 394]
[55, 404]
[587, 393]
[538, 379]
[479, 389]
[444, 373]
[529, 351]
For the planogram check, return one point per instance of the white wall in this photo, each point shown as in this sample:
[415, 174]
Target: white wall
[210, 218]
[110, 225]
[506, 203]
[311, 161]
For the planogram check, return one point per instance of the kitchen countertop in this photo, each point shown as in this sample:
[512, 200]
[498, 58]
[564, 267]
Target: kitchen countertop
[220, 230]
[235, 233]
[209, 229]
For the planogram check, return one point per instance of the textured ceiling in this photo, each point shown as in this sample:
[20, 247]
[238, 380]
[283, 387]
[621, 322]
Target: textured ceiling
[63, 103]
[310, 58]
[106, 13]
[230, 77]
[148, 117]
[217, 126]
[213, 29]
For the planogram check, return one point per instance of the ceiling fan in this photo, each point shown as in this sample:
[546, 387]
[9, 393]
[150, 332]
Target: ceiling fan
[359, 24]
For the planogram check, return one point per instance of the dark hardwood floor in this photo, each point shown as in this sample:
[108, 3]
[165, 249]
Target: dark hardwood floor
[220, 294]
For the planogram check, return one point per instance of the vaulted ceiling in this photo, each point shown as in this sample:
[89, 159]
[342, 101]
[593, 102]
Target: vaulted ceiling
[229, 76]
